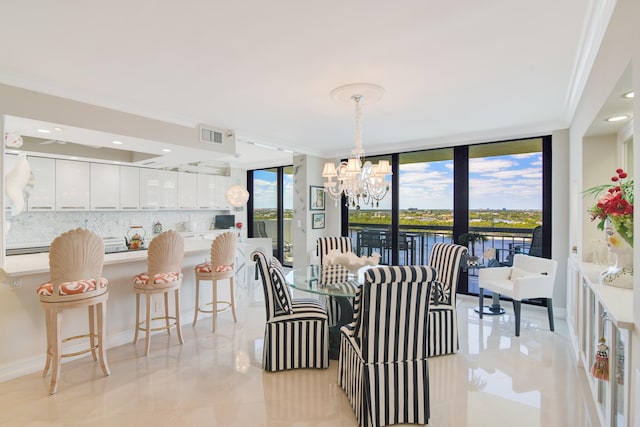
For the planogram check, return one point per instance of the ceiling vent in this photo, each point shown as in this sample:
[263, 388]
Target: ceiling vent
[218, 140]
[211, 135]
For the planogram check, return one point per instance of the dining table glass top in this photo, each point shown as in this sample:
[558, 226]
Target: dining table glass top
[330, 280]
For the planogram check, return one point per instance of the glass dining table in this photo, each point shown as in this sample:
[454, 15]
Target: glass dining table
[334, 282]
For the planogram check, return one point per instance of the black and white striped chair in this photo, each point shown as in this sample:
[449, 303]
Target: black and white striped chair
[443, 317]
[324, 245]
[296, 333]
[383, 353]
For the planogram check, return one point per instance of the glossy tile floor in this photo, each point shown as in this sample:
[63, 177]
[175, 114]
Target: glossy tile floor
[217, 380]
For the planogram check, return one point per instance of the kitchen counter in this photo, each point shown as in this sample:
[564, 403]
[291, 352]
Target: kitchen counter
[28, 264]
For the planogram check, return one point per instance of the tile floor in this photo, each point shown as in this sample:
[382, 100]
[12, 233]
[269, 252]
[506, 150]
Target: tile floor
[217, 380]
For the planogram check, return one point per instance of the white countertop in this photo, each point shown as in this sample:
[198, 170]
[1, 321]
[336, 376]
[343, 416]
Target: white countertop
[21, 265]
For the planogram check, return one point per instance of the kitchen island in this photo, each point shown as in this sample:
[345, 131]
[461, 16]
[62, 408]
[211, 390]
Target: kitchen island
[22, 323]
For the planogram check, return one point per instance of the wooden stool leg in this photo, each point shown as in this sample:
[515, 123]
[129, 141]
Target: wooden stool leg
[56, 324]
[178, 326]
[135, 335]
[147, 326]
[214, 304]
[49, 328]
[233, 302]
[195, 315]
[166, 312]
[92, 332]
[102, 333]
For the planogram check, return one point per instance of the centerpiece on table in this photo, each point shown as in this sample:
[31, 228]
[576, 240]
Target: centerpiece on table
[614, 210]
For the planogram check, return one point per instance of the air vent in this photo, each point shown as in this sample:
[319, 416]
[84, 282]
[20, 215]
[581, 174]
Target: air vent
[218, 139]
[211, 135]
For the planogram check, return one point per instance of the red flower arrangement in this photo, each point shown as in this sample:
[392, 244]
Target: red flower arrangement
[616, 205]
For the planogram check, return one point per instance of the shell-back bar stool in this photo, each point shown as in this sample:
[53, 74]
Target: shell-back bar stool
[222, 266]
[164, 274]
[75, 263]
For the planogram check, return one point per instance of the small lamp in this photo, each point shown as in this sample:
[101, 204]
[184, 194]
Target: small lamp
[237, 196]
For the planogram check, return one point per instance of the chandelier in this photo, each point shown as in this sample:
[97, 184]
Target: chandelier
[360, 181]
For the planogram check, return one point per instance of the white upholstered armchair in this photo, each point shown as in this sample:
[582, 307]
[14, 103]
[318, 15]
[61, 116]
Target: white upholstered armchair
[529, 277]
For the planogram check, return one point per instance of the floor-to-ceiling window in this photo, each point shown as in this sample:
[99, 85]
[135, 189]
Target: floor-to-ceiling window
[270, 209]
[425, 203]
[486, 196]
[505, 202]
[370, 223]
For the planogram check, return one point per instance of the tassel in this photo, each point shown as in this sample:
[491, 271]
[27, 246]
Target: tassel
[600, 368]
[620, 370]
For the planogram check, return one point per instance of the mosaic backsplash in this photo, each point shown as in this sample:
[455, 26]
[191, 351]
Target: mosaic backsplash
[40, 228]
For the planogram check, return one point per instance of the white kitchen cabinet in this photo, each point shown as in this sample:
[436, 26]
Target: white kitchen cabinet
[129, 188]
[72, 186]
[43, 195]
[169, 189]
[105, 187]
[206, 191]
[222, 184]
[149, 189]
[158, 189]
[187, 190]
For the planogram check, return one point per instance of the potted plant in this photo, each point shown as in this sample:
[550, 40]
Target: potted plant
[471, 238]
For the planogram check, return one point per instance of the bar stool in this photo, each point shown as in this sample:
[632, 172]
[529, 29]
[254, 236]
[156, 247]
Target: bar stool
[75, 262]
[164, 274]
[223, 255]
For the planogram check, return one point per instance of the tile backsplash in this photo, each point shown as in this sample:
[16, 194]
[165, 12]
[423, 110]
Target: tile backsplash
[40, 228]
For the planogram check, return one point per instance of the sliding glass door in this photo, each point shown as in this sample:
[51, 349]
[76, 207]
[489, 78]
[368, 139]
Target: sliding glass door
[271, 209]
[494, 198]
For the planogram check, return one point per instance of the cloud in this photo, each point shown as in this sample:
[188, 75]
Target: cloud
[484, 164]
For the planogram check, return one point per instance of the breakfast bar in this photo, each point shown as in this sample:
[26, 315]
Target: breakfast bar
[22, 320]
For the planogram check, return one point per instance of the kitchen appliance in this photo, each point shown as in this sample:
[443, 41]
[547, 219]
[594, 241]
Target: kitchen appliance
[224, 222]
[135, 237]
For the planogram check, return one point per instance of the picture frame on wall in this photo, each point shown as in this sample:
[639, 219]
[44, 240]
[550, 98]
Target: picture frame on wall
[317, 220]
[317, 198]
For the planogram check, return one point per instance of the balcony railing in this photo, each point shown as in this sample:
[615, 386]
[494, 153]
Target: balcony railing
[417, 240]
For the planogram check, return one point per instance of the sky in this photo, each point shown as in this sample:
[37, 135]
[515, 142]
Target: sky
[498, 182]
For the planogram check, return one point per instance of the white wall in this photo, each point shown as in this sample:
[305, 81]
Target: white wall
[308, 172]
[559, 215]
[618, 49]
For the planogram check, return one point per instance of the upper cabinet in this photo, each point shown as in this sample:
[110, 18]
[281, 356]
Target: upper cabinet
[72, 186]
[67, 185]
[158, 189]
[212, 192]
[169, 189]
[222, 183]
[129, 188]
[42, 196]
[206, 191]
[105, 187]
[187, 190]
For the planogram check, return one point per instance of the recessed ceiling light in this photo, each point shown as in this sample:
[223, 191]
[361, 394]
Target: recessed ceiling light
[44, 131]
[73, 158]
[628, 95]
[116, 163]
[58, 129]
[117, 142]
[166, 150]
[617, 118]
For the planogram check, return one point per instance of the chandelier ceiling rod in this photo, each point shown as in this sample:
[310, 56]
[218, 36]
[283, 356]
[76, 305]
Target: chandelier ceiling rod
[361, 184]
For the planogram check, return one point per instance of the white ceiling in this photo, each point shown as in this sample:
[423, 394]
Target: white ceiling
[452, 71]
